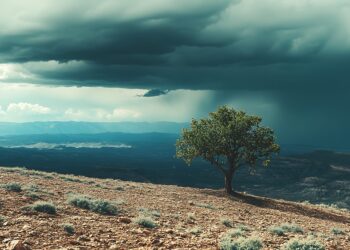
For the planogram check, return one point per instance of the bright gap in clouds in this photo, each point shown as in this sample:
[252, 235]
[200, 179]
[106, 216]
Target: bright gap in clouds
[29, 102]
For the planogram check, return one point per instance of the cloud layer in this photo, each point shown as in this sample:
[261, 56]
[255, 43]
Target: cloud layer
[172, 44]
[286, 60]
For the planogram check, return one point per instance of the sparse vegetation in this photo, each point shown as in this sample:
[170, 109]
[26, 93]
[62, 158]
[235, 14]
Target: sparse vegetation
[144, 221]
[119, 188]
[71, 179]
[33, 195]
[104, 207]
[196, 230]
[293, 228]
[241, 243]
[337, 231]
[226, 222]
[191, 216]
[205, 205]
[237, 232]
[277, 230]
[242, 227]
[80, 201]
[2, 220]
[98, 206]
[44, 207]
[13, 187]
[32, 188]
[149, 213]
[69, 229]
[303, 244]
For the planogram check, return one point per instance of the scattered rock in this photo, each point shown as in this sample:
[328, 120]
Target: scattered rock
[125, 220]
[18, 245]
[83, 238]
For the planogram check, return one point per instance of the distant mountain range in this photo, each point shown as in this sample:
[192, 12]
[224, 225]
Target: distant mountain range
[31, 128]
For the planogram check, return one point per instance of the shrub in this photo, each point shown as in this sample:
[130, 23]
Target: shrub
[33, 195]
[276, 230]
[209, 206]
[119, 188]
[2, 220]
[243, 227]
[337, 231]
[196, 230]
[305, 244]
[69, 229]
[235, 233]
[143, 221]
[98, 206]
[32, 188]
[14, 187]
[104, 207]
[191, 216]
[241, 243]
[226, 222]
[71, 179]
[292, 228]
[80, 201]
[148, 212]
[44, 207]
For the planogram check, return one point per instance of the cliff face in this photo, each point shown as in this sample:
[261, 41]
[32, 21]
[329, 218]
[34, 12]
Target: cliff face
[51, 211]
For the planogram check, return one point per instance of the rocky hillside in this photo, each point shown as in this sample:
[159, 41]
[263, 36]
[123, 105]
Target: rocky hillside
[50, 211]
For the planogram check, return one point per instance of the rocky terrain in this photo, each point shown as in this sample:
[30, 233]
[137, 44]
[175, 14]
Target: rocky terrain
[51, 211]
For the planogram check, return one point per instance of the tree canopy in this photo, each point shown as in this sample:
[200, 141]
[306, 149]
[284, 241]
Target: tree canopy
[228, 139]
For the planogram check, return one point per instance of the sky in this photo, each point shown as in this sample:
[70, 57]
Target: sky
[156, 60]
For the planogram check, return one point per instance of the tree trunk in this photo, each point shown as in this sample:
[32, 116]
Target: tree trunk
[228, 182]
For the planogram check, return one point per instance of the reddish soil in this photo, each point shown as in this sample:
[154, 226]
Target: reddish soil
[181, 210]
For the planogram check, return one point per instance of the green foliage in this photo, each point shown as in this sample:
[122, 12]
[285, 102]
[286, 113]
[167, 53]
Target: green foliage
[69, 229]
[149, 213]
[144, 221]
[13, 187]
[32, 188]
[241, 243]
[226, 222]
[104, 207]
[337, 231]
[98, 206]
[2, 220]
[119, 188]
[205, 205]
[191, 216]
[304, 244]
[195, 230]
[44, 207]
[292, 228]
[276, 230]
[227, 139]
[80, 201]
[243, 227]
[33, 195]
[238, 232]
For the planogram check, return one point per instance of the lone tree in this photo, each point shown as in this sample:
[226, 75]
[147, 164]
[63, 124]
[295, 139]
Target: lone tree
[228, 139]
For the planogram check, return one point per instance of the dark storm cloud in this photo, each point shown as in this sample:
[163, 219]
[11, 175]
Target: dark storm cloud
[155, 92]
[294, 53]
[222, 44]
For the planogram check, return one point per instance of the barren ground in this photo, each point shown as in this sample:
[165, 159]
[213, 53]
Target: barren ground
[188, 218]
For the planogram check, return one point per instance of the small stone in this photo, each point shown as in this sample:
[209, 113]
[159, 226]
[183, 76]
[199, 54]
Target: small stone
[83, 238]
[113, 247]
[125, 220]
[17, 245]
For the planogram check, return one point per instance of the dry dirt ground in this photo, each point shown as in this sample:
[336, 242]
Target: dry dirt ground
[186, 218]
